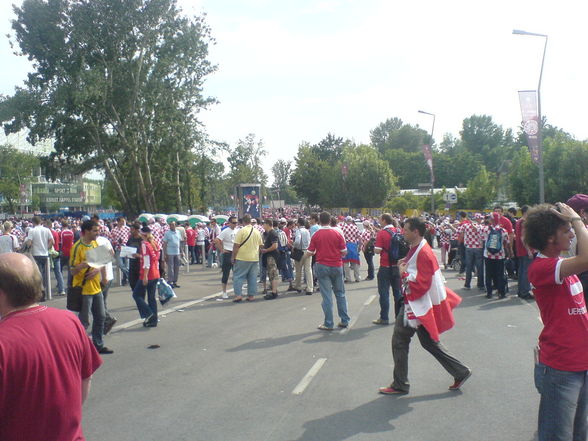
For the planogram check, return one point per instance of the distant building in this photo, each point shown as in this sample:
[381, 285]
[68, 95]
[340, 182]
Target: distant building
[78, 194]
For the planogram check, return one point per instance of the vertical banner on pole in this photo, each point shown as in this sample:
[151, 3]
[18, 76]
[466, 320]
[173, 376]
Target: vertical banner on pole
[248, 199]
[530, 113]
[429, 158]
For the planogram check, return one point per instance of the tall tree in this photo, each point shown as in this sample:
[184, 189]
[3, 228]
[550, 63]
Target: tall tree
[246, 162]
[393, 134]
[487, 141]
[118, 85]
[369, 180]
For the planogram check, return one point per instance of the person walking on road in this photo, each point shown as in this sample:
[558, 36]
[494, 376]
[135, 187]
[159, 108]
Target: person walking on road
[46, 360]
[171, 251]
[388, 275]
[328, 245]
[148, 278]
[301, 242]
[245, 259]
[224, 244]
[561, 368]
[40, 239]
[427, 311]
[89, 279]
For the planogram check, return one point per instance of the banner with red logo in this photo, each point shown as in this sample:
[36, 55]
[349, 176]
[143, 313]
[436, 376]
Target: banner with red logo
[429, 158]
[529, 110]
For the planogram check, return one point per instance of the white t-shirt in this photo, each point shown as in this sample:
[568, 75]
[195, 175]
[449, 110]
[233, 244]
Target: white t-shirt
[101, 240]
[40, 237]
[228, 238]
[8, 243]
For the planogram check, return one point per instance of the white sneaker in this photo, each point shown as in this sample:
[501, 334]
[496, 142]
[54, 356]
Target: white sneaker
[225, 295]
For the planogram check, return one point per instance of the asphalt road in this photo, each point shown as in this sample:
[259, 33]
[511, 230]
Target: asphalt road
[261, 371]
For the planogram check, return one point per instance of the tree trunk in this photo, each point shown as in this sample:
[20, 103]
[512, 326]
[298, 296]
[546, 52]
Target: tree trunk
[178, 186]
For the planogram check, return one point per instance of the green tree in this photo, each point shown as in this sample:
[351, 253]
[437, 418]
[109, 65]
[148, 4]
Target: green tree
[486, 141]
[566, 167]
[246, 162]
[369, 180]
[393, 134]
[16, 168]
[523, 178]
[118, 85]
[481, 190]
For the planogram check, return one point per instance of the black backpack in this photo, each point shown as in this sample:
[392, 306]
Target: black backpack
[398, 248]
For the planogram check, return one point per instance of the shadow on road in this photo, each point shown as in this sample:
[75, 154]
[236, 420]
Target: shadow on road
[372, 417]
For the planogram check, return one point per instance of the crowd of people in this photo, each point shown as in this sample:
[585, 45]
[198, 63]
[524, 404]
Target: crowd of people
[545, 249]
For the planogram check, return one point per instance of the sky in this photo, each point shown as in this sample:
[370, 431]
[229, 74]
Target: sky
[291, 72]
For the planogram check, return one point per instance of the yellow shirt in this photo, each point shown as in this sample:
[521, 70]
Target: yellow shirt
[249, 252]
[77, 256]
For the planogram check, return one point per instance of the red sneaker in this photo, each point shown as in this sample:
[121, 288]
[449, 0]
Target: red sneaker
[459, 383]
[391, 391]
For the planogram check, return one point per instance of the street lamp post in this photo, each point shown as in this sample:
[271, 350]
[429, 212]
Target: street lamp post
[431, 170]
[540, 128]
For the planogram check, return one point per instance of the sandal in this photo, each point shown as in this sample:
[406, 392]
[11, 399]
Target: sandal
[324, 328]
[237, 299]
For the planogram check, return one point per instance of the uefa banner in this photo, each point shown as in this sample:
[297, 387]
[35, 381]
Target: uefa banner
[429, 158]
[529, 110]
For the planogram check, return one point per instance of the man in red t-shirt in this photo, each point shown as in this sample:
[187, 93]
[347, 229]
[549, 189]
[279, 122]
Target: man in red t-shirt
[46, 360]
[328, 245]
[388, 275]
[561, 371]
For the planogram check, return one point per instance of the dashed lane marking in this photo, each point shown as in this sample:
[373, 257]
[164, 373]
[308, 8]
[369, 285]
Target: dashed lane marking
[299, 389]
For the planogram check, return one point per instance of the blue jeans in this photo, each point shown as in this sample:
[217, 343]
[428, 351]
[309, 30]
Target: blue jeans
[149, 308]
[389, 277]
[243, 270]
[563, 410]
[42, 262]
[288, 271]
[524, 285]
[474, 257]
[123, 265]
[95, 304]
[330, 279]
[212, 257]
[58, 274]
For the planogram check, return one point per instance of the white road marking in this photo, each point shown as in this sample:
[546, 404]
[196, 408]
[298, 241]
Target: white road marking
[370, 300]
[168, 311]
[354, 320]
[299, 389]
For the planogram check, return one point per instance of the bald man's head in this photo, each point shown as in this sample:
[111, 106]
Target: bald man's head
[20, 280]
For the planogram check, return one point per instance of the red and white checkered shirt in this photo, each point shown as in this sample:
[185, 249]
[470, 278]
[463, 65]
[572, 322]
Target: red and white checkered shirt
[485, 233]
[158, 233]
[350, 232]
[445, 234]
[472, 235]
[119, 236]
[366, 235]
[104, 231]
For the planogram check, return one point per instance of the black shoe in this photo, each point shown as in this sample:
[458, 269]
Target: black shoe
[271, 296]
[152, 324]
[105, 350]
[108, 324]
[148, 319]
[291, 289]
[369, 278]
[308, 293]
[488, 296]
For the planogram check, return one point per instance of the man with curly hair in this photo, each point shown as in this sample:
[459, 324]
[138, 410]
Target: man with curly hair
[561, 369]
